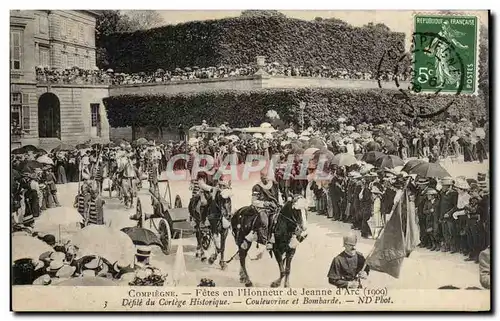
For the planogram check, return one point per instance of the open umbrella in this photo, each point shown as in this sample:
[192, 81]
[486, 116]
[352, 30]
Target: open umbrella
[371, 157]
[28, 247]
[28, 148]
[389, 161]
[17, 151]
[141, 141]
[45, 160]
[311, 151]
[141, 236]
[62, 147]
[105, 242]
[429, 170]
[30, 166]
[344, 159]
[87, 281]
[54, 219]
[411, 164]
[324, 153]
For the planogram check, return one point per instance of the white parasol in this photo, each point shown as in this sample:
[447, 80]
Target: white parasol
[44, 159]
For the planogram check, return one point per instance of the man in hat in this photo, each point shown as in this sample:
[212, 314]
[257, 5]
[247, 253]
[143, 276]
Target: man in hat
[265, 200]
[428, 220]
[348, 267]
[447, 202]
[366, 202]
[422, 184]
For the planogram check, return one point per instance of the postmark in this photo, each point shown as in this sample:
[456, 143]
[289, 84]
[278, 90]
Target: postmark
[436, 64]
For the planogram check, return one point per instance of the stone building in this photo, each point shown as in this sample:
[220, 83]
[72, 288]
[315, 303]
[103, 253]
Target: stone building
[46, 113]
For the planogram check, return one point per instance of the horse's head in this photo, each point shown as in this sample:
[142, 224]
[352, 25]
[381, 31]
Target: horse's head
[298, 214]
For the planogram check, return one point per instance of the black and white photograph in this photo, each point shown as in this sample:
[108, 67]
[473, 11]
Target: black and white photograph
[264, 160]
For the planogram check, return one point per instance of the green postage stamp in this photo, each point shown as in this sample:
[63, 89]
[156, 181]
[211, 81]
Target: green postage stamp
[447, 59]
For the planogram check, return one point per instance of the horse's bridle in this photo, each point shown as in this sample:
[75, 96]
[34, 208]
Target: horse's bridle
[297, 225]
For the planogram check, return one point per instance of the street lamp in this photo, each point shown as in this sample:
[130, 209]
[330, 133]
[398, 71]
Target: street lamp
[302, 109]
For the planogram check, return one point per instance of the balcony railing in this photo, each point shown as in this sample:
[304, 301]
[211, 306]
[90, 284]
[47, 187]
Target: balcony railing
[76, 75]
[72, 76]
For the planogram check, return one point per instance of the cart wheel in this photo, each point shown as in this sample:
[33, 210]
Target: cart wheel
[165, 237]
[178, 201]
[138, 212]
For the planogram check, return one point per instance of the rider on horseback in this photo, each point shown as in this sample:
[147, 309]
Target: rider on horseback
[201, 192]
[265, 200]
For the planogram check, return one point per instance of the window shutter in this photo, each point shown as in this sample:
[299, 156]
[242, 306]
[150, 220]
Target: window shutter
[26, 111]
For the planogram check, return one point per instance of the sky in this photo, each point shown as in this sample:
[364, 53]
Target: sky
[400, 21]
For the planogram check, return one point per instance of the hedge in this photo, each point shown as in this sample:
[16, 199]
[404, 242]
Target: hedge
[237, 41]
[243, 108]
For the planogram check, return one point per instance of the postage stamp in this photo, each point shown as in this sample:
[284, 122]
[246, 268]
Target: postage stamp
[451, 44]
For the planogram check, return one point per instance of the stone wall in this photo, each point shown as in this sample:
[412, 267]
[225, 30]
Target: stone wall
[245, 83]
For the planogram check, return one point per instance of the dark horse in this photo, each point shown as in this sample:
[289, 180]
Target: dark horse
[198, 214]
[290, 229]
[219, 216]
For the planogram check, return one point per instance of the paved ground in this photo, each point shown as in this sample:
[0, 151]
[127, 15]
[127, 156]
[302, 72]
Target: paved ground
[422, 270]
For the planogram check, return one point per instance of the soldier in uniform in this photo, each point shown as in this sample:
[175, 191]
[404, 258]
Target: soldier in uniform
[348, 267]
[265, 199]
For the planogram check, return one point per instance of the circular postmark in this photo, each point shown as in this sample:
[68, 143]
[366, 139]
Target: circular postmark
[432, 67]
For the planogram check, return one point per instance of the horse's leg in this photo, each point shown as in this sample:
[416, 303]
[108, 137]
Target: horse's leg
[215, 234]
[279, 258]
[223, 237]
[244, 277]
[288, 266]
[198, 240]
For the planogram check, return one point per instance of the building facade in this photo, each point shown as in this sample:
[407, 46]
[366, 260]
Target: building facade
[46, 113]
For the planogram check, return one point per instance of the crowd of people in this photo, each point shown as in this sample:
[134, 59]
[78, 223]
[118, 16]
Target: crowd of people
[110, 77]
[370, 168]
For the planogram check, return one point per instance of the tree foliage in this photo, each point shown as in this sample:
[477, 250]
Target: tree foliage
[114, 22]
[323, 107]
[229, 42]
[144, 19]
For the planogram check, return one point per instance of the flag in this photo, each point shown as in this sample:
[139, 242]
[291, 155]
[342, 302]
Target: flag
[389, 250]
[412, 232]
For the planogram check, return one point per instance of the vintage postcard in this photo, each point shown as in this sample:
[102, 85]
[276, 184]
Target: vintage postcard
[255, 160]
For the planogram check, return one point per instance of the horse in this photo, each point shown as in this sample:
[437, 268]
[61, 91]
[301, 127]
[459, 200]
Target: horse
[219, 215]
[290, 228]
[198, 215]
